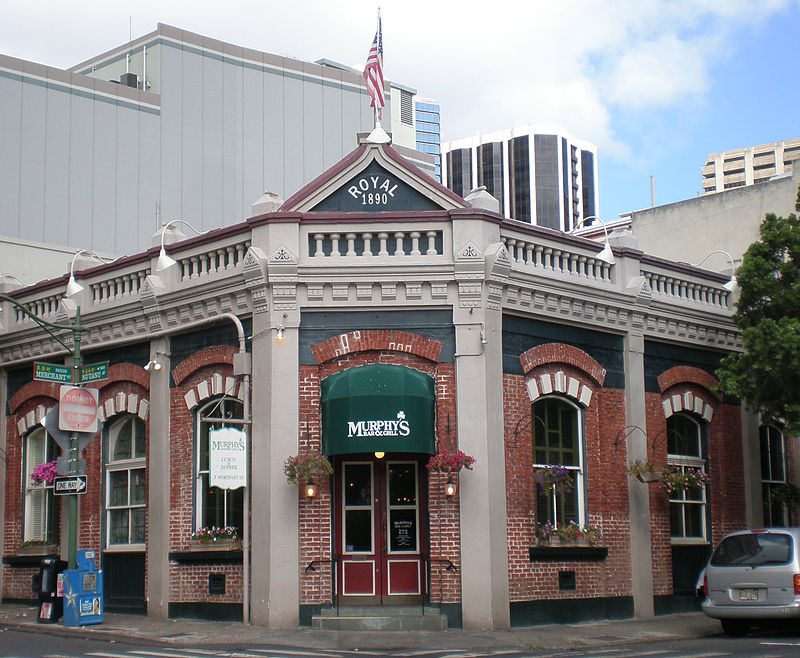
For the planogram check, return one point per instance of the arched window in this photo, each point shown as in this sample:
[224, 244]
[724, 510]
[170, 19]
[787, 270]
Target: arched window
[40, 504]
[126, 487]
[215, 506]
[687, 507]
[558, 441]
[773, 474]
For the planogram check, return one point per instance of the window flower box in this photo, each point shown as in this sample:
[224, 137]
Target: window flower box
[37, 548]
[196, 545]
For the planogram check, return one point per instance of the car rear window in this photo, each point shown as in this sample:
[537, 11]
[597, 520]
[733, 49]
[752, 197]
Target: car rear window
[753, 550]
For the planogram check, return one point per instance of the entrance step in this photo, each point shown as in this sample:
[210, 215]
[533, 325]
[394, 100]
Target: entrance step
[380, 618]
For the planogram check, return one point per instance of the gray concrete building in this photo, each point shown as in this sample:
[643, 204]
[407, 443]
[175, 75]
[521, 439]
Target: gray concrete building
[173, 125]
[729, 221]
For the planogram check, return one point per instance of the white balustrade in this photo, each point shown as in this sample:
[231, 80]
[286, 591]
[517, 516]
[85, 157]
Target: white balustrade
[369, 244]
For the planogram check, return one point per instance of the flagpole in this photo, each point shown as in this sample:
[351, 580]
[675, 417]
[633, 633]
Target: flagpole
[377, 30]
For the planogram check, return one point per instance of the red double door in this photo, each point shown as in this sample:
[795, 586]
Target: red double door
[379, 530]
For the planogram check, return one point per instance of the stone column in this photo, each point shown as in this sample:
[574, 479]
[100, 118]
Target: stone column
[479, 409]
[638, 493]
[158, 484]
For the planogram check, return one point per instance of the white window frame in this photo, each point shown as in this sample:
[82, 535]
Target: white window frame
[201, 475]
[689, 461]
[129, 465]
[39, 499]
[768, 432]
[577, 471]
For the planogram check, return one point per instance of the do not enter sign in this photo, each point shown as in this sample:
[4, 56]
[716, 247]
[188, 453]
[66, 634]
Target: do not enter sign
[77, 409]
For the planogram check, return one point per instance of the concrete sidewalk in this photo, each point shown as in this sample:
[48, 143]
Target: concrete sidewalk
[177, 632]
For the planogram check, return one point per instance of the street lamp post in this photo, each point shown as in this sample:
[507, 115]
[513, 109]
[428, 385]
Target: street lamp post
[74, 442]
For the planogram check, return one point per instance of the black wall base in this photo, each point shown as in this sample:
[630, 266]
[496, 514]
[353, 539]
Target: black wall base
[569, 611]
[209, 611]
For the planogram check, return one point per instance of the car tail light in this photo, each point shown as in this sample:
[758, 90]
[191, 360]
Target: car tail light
[705, 584]
[797, 584]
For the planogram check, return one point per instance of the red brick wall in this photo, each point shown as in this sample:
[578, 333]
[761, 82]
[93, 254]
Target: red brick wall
[189, 581]
[606, 481]
[363, 348]
[124, 378]
[725, 493]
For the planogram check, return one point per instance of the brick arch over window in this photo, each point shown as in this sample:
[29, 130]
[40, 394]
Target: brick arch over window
[217, 384]
[129, 401]
[685, 388]
[210, 356]
[28, 392]
[545, 372]
[377, 340]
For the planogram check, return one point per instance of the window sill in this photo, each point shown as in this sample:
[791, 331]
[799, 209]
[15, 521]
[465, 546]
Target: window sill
[125, 548]
[206, 556]
[567, 553]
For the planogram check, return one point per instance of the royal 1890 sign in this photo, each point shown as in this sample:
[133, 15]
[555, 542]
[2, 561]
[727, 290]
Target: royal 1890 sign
[374, 191]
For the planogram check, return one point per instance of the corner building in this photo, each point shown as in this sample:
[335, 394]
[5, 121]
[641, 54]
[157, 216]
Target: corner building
[379, 318]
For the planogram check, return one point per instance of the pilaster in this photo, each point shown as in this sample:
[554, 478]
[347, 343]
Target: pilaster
[158, 484]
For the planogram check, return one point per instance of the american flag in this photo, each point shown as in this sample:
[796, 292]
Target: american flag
[373, 71]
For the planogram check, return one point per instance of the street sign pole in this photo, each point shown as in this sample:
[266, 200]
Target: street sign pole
[77, 330]
[72, 545]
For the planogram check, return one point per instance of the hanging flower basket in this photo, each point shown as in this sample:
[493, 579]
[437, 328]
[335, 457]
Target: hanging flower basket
[447, 461]
[646, 471]
[45, 473]
[553, 479]
[306, 469]
[676, 479]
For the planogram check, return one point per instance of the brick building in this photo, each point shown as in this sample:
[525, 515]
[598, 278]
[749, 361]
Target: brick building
[379, 319]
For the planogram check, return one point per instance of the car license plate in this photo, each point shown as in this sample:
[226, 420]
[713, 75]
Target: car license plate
[748, 594]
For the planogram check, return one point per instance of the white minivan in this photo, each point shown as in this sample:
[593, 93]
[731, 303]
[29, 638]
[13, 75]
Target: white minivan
[753, 576]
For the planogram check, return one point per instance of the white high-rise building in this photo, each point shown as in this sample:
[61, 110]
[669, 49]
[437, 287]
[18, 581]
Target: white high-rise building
[540, 173]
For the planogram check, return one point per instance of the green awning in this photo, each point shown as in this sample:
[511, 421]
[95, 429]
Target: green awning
[378, 408]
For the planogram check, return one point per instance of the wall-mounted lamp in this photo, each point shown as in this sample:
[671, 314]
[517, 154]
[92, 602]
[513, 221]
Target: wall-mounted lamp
[164, 261]
[483, 335]
[310, 490]
[280, 330]
[731, 285]
[450, 487]
[605, 255]
[380, 455]
[154, 365]
[73, 287]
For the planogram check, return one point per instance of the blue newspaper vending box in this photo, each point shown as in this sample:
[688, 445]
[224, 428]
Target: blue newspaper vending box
[83, 592]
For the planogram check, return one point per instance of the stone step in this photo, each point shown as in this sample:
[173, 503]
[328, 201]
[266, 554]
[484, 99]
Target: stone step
[388, 618]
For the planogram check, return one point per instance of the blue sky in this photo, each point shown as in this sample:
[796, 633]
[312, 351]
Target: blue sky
[656, 84]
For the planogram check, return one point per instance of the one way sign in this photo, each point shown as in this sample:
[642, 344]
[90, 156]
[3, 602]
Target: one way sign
[69, 484]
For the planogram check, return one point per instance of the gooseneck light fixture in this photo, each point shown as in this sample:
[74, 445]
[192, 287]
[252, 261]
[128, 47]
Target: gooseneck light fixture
[73, 287]
[731, 285]
[164, 261]
[605, 255]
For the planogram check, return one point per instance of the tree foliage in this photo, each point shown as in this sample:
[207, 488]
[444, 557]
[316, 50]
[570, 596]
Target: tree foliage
[767, 373]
